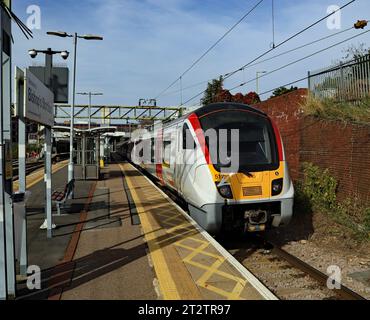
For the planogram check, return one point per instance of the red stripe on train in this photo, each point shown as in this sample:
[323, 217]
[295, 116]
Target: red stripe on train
[278, 140]
[159, 158]
[194, 120]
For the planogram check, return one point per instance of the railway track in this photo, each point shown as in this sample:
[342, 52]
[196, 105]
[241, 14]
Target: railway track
[288, 277]
[30, 167]
[33, 166]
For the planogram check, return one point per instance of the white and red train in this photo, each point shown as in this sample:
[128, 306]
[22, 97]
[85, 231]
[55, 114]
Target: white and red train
[258, 195]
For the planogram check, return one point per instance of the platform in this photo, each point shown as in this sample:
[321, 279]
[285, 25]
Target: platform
[123, 238]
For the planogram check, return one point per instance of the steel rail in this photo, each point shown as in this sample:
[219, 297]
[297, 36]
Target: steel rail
[344, 291]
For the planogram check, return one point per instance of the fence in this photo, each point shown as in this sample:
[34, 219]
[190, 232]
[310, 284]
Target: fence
[346, 82]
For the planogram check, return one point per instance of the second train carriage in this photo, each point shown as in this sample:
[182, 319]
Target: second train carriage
[256, 196]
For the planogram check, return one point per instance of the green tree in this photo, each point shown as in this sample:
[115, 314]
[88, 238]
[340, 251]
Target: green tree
[213, 90]
[283, 90]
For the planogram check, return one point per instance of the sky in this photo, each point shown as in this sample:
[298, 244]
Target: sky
[150, 43]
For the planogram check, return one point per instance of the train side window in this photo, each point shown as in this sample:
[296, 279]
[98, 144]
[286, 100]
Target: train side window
[167, 153]
[188, 142]
[141, 152]
[152, 150]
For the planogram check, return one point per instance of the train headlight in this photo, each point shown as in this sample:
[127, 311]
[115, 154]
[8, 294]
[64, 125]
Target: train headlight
[225, 191]
[277, 187]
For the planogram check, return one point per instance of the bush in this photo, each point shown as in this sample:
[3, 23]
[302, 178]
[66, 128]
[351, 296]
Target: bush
[319, 186]
[318, 190]
[333, 110]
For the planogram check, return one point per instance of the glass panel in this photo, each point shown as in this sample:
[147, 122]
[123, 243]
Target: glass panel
[167, 152]
[77, 157]
[91, 157]
[90, 144]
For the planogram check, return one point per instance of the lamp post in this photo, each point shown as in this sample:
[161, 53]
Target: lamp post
[257, 79]
[48, 81]
[90, 94]
[75, 37]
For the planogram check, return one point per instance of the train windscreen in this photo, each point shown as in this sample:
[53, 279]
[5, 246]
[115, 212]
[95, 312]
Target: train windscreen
[257, 149]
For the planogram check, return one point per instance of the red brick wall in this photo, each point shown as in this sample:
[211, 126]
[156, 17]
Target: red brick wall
[343, 148]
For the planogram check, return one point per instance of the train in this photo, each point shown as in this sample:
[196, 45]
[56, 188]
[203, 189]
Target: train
[256, 195]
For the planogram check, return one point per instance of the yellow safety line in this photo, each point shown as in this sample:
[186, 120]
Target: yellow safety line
[37, 176]
[167, 284]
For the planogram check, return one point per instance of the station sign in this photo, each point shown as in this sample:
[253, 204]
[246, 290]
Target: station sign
[38, 101]
[60, 81]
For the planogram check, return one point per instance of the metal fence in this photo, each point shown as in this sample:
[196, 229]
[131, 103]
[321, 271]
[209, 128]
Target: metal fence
[346, 82]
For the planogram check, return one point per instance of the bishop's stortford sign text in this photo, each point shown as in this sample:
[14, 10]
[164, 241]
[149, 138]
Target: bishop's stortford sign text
[39, 101]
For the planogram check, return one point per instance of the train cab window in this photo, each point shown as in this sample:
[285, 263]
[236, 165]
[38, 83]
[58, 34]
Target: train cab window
[257, 144]
[188, 142]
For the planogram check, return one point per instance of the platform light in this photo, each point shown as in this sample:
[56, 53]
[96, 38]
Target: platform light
[64, 55]
[91, 37]
[32, 53]
[75, 37]
[58, 34]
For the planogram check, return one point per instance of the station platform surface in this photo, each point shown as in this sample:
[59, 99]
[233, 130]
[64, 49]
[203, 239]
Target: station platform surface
[122, 238]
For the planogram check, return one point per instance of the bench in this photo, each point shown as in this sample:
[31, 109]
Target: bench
[60, 197]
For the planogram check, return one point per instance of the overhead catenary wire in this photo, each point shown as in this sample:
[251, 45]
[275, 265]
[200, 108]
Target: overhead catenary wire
[288, 39]
[285, 66]
[228, 75]
[301, 59]
[273, 23]
[211, 48]
[268, 59]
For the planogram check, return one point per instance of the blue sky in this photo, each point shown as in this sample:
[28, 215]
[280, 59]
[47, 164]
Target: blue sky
[149, 43]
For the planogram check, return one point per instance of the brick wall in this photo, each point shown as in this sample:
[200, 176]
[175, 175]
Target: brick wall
[343, 148]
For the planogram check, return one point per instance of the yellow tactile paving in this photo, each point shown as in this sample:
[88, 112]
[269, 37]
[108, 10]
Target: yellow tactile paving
[179, 251]
[38, 175]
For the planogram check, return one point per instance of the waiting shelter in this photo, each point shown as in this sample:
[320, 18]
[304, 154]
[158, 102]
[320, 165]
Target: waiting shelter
[87, 155]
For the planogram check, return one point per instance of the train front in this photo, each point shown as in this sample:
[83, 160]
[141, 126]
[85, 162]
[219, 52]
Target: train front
[248, 168]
